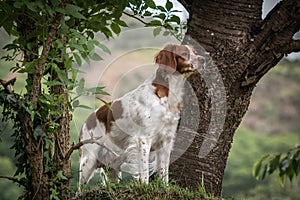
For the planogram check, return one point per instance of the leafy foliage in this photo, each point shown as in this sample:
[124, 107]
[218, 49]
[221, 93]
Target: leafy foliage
[49, 36]
[164, 18]
[286, 164]
[248, 146]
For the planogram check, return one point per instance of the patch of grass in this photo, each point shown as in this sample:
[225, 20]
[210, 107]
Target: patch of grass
[156, 189]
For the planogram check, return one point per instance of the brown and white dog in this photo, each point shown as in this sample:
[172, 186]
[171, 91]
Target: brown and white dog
[137, 131]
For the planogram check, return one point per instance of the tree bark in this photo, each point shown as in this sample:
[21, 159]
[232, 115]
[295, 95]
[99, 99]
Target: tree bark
[38, 183]
[40, 180]
[62, 140]
[243, 47]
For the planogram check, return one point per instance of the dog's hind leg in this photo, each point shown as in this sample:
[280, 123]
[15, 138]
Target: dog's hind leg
[88, 166]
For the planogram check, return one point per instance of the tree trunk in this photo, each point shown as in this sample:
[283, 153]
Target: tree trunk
[42, 177]
[38, 181]
[62, 138]
[243, 48]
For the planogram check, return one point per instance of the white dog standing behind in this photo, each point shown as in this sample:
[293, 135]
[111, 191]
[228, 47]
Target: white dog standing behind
[136, 133]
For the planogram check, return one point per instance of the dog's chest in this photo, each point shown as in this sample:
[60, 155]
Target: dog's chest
[144, 114]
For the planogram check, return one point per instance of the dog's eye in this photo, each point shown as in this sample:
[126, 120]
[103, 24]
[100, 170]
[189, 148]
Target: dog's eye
[185, 54]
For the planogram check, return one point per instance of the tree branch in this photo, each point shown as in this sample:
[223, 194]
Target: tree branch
[283, 19]
[46, 48]
[135, 17]
[13, 179]
[8, 84]
[293, 46]
[272, 41]
[88, 141]
[41, 67]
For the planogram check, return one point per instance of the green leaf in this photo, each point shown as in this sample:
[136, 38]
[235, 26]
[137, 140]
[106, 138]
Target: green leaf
[106, 104]
[296, 161]
[104, 48]
[161, 8]
[18, 4]
[274, 164]
[150, 3]
[73, 10]
[147, 13]
[169, 5]
[256, 169]
[154, 23]
[116, 28]
[281, 180]
[95, 56]
[161, 16]
[75, 73]
[84, 107]
[81, 83]
[156, 31]
[97, 90]
[257, 166]
[77, 59]
[263, 174]
[176, 19]
[121, 23]
[32, 6]
[11, 47]
[75, 103]
[68, 63]
[60, 175]
[166, 33]
[74, 46]
[106, 32]
[62, 75]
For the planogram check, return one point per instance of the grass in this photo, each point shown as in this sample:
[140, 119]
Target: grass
[156, 189]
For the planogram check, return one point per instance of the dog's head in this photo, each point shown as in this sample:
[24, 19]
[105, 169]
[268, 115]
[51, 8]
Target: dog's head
[179, 58]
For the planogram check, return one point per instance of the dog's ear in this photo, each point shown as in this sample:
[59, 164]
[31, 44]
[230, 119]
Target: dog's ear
[166, 58]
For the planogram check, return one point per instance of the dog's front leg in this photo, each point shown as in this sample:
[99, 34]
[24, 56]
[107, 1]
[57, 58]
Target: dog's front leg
[144, 150]
[163, 162]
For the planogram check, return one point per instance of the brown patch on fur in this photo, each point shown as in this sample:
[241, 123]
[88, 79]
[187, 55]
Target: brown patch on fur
[107, 115]
[166, 58]
[174, 57]
[161, 91]
[91, 121]
[117, 110]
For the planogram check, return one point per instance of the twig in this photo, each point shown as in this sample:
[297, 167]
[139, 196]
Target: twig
[135, 17]
[88, 141]
[13, 179]
[8, 84]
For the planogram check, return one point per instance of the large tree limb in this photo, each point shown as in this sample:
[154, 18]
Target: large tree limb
[282, 22]
[272, 41]
[293, 46]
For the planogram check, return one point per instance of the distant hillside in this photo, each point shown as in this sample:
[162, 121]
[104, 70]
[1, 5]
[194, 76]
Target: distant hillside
[275, 104]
